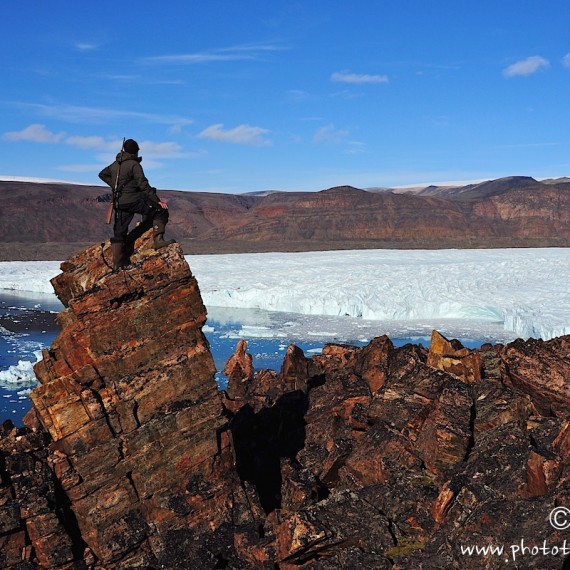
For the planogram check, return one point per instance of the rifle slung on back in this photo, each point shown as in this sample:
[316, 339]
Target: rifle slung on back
[115, 190]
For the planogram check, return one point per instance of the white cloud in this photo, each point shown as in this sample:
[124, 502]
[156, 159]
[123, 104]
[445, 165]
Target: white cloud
[347, 94]
[346, 77]
[40, 134]
[235, 53]
[175, 129]
[297, 95]
[84, 46]
[166, 149]
[356, 147]
[79, 168]
[34, 133]
[77, 114]
[92, 142]
[243, 134]
[198, 58]
[566, 60]
[526, 66]
[329, 134]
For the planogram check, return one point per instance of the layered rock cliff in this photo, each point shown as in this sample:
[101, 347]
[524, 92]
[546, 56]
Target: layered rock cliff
[509, 212]
[123, 464]
[374, 458]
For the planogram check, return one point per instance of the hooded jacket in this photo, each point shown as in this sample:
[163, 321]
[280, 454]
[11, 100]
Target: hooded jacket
[132, 180]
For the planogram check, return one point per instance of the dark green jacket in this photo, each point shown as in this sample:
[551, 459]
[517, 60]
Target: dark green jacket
[132, 180]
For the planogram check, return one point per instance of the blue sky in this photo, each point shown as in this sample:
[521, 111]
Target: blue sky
[240, 96]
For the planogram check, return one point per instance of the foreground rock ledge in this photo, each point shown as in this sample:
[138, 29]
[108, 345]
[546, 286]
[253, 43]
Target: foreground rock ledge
[374, 458]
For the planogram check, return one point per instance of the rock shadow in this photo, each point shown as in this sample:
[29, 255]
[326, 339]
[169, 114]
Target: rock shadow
[262, 439]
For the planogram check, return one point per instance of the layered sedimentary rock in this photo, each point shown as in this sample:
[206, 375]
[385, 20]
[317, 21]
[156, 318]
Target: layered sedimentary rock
[509, 212]
[404, 458]
[132, 414]
[372, 457]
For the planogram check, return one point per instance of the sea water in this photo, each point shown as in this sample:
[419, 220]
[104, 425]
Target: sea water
[29, 325]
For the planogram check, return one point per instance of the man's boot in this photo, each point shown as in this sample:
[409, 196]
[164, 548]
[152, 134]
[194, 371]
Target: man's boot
[119, 258]
[141, 228]
[158, 234]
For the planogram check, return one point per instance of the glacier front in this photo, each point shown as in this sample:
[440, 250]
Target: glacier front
[525, 291]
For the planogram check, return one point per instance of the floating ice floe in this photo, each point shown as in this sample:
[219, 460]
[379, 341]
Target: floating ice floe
[20, 375]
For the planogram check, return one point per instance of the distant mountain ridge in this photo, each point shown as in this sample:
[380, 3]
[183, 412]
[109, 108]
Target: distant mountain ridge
[482, 189]
[52, 220]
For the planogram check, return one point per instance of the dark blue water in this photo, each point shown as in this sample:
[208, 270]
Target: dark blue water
[27, 324]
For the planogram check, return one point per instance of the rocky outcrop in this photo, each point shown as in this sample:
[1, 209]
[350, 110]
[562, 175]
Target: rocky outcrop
[405, 458]
[133, 422]
[372, 457]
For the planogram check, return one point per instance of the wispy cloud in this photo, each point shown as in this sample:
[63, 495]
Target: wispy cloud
[242, 134]
[76, 114]
[34, 133]
[347, 77]
[85, 46]
[164, 149]
[39, 133]
[330, 134]
[91, 143]
[356, 147]
[235, 53]
[297, 95]
[142, 79]
[526, 66]
[566, 60]
[347, 94]
[80, 168]
[529, 145]
[197, 58]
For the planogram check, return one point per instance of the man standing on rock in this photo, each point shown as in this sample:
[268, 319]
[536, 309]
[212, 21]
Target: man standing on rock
[133, 195]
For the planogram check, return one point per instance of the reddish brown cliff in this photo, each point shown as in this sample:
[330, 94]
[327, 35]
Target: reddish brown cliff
[373, 458]
[47, 221]
[133, 422]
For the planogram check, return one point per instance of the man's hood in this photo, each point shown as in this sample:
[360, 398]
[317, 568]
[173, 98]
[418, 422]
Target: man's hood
[124, 156]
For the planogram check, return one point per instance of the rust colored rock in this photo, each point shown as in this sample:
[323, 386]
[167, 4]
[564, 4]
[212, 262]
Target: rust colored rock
[326, 532]
[264, 387]
[129, 400]
[452, 357]
[298, 536]
[294, 370]
[239, 371]
[542, 370]
[497, 404]
[445, 436]
[30, 513]
[371, 457]
[541, 473]
[442, 503]
[561, 443]
[253, 551]
[373, 362]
